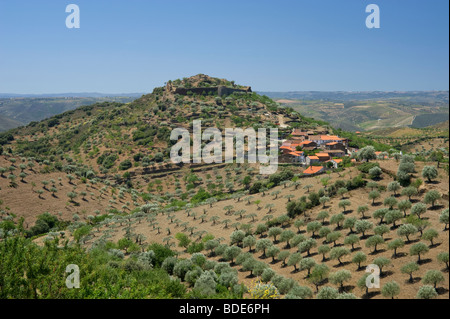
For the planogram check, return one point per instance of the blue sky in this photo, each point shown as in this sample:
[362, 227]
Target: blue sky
[284, 45]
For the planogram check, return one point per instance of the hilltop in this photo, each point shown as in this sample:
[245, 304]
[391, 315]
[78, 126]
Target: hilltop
[103, 135]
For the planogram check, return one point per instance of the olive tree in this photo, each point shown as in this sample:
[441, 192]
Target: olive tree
[307, 263]
[443, 258]
[433, 277]
[294, 259]
[430, 173]
[418, 209]
[362, 226]
[394, 187]
[407, 230]
[327, 293]
[396, 244]
[313, 227]
[338, 253]
[381, 262]
[408, 269]
[431, 197]
[340, 277]
[263, 245]
[410, 191]
[351, 240]
[390, 289]
[374, 241]
[359, 258]
[443, 218]
[426, 292]
[418, 249]
[430, 234]
[307, 245]
[324, 249]
[404, 205]
[273, 252]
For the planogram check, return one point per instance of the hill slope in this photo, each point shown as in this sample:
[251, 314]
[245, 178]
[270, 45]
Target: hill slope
[7, 123]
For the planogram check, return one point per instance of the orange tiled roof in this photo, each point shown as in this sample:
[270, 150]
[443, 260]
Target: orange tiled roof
[296, 153]
[330, 138]
[313, 157]
[313, 170]
[322, 155]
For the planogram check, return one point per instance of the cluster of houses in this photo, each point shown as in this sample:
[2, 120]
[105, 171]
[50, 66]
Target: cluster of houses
[321, 147]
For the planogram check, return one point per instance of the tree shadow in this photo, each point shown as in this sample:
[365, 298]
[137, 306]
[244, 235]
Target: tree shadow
[424, 261]
[399, 255]
[436, 207]
[378, 251]
[348, 211]
[385, 274]
[344, 263]
[414, 281]
[348, 288]
[371, 294]
[441, 290]
[435, 245]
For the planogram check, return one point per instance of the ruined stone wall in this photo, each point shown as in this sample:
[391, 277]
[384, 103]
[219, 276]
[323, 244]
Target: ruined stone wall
[219, 90]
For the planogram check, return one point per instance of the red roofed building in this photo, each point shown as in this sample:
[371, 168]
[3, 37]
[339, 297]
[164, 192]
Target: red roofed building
[324, 139]
[323, 157]
[335, 146]
[287, 149]
[336, 162]
[313, 170]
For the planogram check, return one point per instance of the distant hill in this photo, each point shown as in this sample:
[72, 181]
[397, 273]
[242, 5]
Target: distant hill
[23, 110]
[84, 94]
[337, 96]
[365, 111]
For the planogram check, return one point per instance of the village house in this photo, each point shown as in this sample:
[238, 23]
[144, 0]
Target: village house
[312, 160]
[336, 153]
[323, 157]
[335, 146]
[336, 162]
[312, 170]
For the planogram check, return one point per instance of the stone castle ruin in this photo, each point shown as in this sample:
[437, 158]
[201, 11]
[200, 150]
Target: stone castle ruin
[220, 90]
